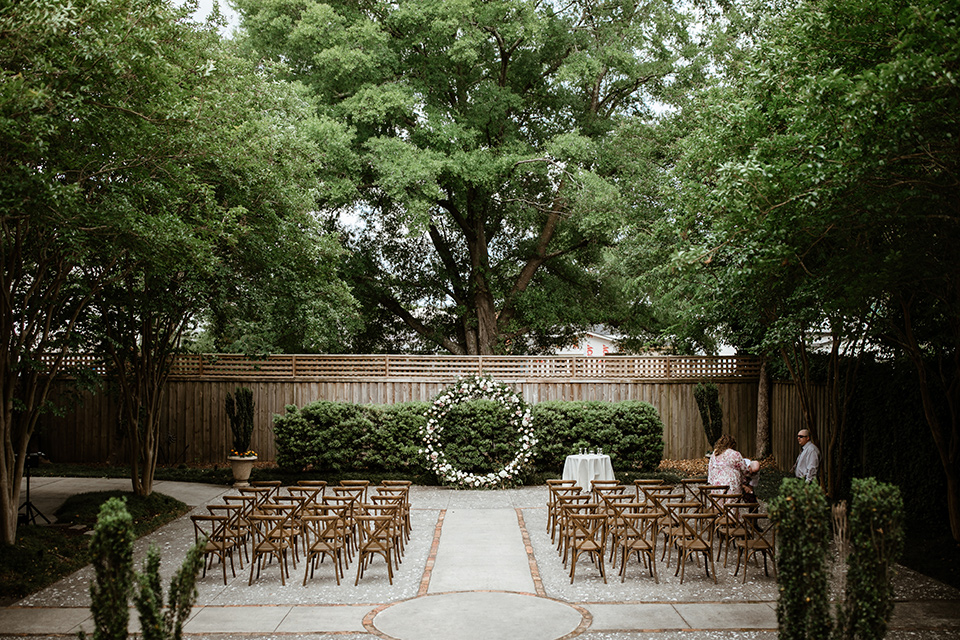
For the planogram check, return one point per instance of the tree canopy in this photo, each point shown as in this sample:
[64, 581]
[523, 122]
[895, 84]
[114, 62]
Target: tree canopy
[810, 199]
[476, 150]
[149, 174]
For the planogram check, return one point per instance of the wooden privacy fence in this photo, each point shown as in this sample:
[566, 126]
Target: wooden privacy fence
[194, 427]
[433, 368]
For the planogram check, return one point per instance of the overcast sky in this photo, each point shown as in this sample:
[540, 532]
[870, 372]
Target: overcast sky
[207, 5]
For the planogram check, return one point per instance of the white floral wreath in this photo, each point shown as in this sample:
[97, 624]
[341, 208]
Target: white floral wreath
[464, 390]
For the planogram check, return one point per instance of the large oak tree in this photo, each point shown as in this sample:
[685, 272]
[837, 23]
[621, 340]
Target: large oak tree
[483, 189]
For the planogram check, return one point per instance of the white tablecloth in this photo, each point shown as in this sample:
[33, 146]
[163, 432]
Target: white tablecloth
[587, 467]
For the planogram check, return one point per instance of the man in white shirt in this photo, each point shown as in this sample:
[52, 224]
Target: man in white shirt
[809, 458]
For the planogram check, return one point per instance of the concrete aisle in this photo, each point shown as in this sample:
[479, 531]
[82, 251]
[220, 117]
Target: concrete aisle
[481, 550]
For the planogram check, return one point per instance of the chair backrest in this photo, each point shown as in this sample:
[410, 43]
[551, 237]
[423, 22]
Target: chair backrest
[261, 494]
[704, 491]
[639, 526]
[268, 531]
[328, 527]
[600, 490]
[587, 526]
[375, 530]
[698, 527]
[210, 527]
[358, 484]
[233, 513]
[310, 495]
[656, 497]
[272, 485]
[312, 483]
[719, 500]
[759, 531]
[396, 483]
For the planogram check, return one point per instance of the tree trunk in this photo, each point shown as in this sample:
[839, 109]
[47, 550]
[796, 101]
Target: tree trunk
[11, 475]
[763, 411]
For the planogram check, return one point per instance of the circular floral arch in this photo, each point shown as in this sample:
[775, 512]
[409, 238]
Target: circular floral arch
[465, 390]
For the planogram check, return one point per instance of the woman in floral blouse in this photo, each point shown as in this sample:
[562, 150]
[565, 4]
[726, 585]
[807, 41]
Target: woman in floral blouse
[726, 464]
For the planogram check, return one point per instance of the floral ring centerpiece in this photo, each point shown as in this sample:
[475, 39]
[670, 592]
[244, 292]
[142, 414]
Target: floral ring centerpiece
[465, 390]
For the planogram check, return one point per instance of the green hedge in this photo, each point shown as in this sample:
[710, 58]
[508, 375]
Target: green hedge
[631, 433]
[338, 437]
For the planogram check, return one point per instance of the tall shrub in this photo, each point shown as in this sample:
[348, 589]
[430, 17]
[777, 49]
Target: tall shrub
[239, 407]
[708, 403]
[112, 549]
[802, 516]
[166, 623]
[876, 542]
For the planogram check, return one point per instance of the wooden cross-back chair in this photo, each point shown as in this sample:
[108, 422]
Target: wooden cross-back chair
[376, 539]
[348, 504]
[761, 538]
[553, 504]
[236, 528]
[614, 506]
[587, 536]
[698, 540]
[403, 493]
[393, 509]
[271, 541]
[730, 524]
[324, 536]
[567, 505]
[212, 528]
[638, 535]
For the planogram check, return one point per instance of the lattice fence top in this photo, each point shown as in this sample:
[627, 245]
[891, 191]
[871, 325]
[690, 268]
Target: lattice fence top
[432, 367]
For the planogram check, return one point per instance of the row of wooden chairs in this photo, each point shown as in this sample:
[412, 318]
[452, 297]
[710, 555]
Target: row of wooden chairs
[266, 523]
[692, 518]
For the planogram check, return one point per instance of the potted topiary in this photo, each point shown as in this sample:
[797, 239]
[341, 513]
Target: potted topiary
[239, 407]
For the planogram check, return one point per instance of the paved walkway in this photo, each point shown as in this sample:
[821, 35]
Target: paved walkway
[480, 565]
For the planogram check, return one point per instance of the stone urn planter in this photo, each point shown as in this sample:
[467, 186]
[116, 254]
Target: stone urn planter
[242, 465]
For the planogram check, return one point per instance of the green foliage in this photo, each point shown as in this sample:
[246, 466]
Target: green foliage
[630, 432]
[323, 435]
[166, 623]
[340, 437]
[802, 518]
[393, 444]
[112, 551]
[239, 407]
[889, 428]
[477, 152]
[474, 438]
[708, 403]
[876, 542]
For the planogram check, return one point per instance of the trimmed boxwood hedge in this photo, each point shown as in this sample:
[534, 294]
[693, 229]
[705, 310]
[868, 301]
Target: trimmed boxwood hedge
[337, 436]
